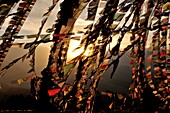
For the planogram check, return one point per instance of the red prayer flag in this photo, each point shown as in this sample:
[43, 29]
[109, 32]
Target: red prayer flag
[133, 70]
[149, 76]
[33, 1]
[162, 54]
[53, 92]
[103, 66]
[3, 54]
[22, 5]
[53, 70]
[59, 35]
[149, 59]
[164, 73]
[132, 61]
[164, 27]
[157, 69]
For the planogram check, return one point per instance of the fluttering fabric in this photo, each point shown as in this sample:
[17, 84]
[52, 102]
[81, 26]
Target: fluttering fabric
[5, 8]
[141, 25]
[14, 26]
[149, 89]
[92, 9]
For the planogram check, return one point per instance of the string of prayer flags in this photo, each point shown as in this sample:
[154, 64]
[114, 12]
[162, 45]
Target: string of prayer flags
[149, 75]
[68, 68]
[137, 61]
[80, 92]
[32, 63]
[14, 27]
[162, 87]
[59, 33]
[27, 55]
[126, 7]
[115, 52]
[158, 54]
[70, 24]
[32, 46]
[63, 19]
[21, 80]
[12, 63]
[92, 9]
[5, 8]
[81, 79]
[167, 81]
[4, 48]
[61, 60]
[94, 85]
[46, 15]
[21, 15]
[94, 81]
[51, 8]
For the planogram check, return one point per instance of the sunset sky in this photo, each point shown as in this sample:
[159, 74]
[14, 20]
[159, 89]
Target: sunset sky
[119, 83]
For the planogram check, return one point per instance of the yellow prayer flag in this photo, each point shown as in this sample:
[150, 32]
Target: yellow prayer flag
[20, 81]
[166, 6]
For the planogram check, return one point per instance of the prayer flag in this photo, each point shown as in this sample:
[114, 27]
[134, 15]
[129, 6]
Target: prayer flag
[53, 92]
